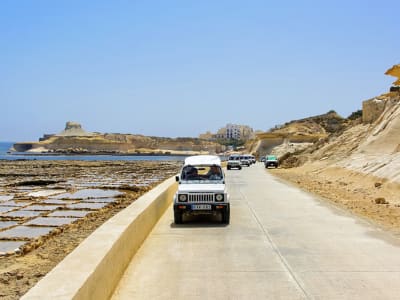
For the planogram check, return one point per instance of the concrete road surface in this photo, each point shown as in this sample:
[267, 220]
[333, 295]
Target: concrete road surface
[282, 243]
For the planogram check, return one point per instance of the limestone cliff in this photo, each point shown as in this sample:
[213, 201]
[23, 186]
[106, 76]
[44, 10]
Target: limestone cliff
[298, 134]
[370, 145]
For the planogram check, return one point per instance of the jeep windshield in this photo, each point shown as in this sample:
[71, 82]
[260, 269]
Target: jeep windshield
[203, 174]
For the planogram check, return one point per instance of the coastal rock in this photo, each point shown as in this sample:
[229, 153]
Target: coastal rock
[75, 140]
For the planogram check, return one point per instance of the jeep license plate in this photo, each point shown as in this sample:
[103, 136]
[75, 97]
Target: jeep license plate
[201, 207]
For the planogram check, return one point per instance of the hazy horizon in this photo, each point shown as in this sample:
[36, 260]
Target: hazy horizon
[179, 69]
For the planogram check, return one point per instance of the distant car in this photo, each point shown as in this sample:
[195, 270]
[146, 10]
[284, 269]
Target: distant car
[234, 162]
[250, 158]
[245, 160]
[262, 159]
[271, 160]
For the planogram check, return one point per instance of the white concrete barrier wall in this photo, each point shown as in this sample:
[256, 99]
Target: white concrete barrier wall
[95, 267]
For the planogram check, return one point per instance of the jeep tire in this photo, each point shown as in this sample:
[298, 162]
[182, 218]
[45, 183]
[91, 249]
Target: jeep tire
[225, 216]
[177, 217]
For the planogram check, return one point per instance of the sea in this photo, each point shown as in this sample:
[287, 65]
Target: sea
[5, 146]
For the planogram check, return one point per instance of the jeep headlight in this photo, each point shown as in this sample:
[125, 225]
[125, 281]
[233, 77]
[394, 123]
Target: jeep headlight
[219, 197]
[182, 197]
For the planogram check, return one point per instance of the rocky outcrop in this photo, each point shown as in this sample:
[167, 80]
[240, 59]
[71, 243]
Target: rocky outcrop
[395, 72]
[292, 135]
[371, 147]
[76, 140]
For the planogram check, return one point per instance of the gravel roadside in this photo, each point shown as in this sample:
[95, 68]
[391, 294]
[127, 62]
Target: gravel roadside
[374, 199]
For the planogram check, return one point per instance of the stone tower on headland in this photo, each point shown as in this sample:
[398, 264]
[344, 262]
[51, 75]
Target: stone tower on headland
[74, 129]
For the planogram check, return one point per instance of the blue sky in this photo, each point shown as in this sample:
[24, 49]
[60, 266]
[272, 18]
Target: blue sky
[180, 68]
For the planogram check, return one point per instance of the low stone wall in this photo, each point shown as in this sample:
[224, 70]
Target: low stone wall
[95, 267]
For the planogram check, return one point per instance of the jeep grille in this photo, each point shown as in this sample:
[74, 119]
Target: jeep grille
[201, 197]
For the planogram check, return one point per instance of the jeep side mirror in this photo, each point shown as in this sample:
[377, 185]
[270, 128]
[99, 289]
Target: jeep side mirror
[177, 178]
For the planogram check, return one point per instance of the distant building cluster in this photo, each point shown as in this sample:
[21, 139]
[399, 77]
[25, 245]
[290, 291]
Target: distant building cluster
[230, 131]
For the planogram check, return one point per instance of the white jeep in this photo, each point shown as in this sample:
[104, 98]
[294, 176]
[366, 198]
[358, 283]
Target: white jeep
[201, 189]
[234, 162]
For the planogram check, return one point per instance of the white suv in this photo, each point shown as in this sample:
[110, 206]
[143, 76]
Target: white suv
[234, 162]
[201, 189]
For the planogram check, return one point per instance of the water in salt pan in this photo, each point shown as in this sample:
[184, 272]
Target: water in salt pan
[25, 232]
[56, 201]
[4, 209]
[53, 222]
[69, 213]
[89, 193]
[86, 205]
[46, 193]
[14, 203]
[101, 200]
[23, 214]
[6, 198]
[24, 189]
[10, 246]
[5, 224]
[42, 207]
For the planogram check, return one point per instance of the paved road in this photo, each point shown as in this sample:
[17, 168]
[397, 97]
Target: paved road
[282, 243]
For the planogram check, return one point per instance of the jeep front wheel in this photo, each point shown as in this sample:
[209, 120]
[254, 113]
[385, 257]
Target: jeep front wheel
[225, 216]
[177, 217]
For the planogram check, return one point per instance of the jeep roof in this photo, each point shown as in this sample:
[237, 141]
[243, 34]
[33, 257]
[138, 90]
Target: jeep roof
[203, 160]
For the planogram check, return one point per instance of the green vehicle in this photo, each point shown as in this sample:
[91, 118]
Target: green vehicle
[271, 160]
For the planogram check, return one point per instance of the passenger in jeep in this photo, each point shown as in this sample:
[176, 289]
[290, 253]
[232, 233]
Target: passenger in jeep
[192, 174]
[214, 173]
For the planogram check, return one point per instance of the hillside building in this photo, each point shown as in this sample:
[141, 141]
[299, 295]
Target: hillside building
[231, 131]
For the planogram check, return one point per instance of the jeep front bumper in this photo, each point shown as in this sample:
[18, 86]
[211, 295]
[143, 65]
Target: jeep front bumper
[201, 208]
